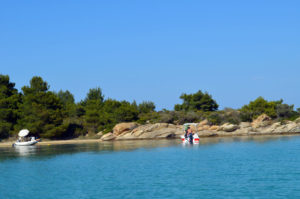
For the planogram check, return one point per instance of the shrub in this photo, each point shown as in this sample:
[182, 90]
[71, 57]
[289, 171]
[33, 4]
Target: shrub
[197, 102]
[260, 106]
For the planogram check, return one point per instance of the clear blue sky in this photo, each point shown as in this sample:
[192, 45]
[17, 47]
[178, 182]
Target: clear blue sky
[156, 50]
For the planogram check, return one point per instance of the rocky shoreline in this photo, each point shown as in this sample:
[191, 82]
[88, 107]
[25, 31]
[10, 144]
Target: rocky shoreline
[263, 125]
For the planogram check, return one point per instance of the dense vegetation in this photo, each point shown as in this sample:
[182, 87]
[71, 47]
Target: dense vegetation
[54, 115]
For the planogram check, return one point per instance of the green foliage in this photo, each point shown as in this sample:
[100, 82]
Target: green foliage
[227, 115]
[114, 112]
[285, 111]
[215, 118]
[197, 102]
[150, 117]
[146, 107]
[41, 110]
[188, 117]
[166, 117]
[9, 101]
[95, 94]
[57, 116]
[66, 97]
[93, 105]
[260, 106]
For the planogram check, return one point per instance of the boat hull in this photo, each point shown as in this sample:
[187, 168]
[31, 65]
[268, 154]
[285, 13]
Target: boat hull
[187, 140]
[29, 143]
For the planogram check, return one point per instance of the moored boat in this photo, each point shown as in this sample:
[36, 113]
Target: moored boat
[189, 136]
[24, 139]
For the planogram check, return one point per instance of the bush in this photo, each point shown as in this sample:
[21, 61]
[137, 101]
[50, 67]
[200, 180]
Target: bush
[197, 102]
[215, 118]
[167, 117]
[188, 117]
[285, 111]
[146, 107]
[228, 115]
[260, 106]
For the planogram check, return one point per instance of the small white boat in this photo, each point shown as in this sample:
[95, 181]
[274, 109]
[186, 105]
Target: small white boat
[24, 140]
[190, 139]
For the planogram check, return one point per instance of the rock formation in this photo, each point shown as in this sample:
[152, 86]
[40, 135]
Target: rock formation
[263, 125]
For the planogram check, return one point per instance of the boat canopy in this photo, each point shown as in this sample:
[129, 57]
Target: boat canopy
[23, 132]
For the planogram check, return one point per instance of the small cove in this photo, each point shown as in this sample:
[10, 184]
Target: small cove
[241, 167]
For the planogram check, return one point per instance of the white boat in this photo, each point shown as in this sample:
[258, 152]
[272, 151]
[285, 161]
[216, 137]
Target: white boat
[24, 140]
[187, 139]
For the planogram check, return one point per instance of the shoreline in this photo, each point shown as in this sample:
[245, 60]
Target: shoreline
[6, 144]
[54, 142]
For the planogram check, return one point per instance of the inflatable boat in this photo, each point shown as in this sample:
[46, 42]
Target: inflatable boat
[24, 140]
[189, 136]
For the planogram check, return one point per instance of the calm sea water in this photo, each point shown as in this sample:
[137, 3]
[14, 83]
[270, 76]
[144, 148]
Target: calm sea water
[257, 167]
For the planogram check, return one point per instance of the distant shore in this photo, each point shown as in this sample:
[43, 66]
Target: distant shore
[5, 144]
[54, 142]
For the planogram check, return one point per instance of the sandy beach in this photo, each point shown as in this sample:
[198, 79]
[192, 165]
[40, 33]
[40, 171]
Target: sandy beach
[54, 142]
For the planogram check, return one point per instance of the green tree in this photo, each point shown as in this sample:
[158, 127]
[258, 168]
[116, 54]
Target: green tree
[93, 104]
[198, 101]
[66, 97]
[41, 111]
[9, 100]
[114, 112]
[258, 107]
[126, 112]
[146, 107]
[95, 94]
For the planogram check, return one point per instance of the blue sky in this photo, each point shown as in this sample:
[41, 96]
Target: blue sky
[155, 50]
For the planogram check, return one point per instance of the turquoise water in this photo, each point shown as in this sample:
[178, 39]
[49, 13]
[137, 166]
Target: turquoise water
[257, 167]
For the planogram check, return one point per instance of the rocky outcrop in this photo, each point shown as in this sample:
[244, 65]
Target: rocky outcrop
[214, 128]
[297, 120]
[108, 137]
[262, 121]
[122, 127]
[263, 125]
[153, 131]
[228, 127]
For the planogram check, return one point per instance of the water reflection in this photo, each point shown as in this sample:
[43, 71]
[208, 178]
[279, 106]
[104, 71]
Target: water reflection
[25, 150]
[43, 151]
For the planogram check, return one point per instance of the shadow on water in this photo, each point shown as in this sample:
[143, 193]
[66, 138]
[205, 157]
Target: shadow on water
[43, 151]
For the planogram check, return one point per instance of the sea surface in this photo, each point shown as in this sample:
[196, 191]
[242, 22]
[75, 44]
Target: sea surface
[244, 167]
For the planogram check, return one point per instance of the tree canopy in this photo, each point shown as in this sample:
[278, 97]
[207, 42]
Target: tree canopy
[56, 115]
[198, 101]
[41, 110]
[9, 102]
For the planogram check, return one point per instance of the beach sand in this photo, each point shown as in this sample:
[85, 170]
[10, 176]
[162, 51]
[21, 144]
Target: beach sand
[54, 142]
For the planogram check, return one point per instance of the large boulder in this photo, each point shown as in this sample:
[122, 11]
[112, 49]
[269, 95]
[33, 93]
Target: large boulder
[204, 122]
[228, 127]
[100, 133]
[262, 121]
[203, 128]
[108, 137]
[207, 134]
[152, 131]
[214, 128]
[297, 120]
[245, 125]
[242, 131]
[122, 127]
[270, 129]
[296, 129]
[287, 128]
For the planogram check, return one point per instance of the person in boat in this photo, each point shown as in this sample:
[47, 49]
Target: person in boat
[186, 132]
[190, 135]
